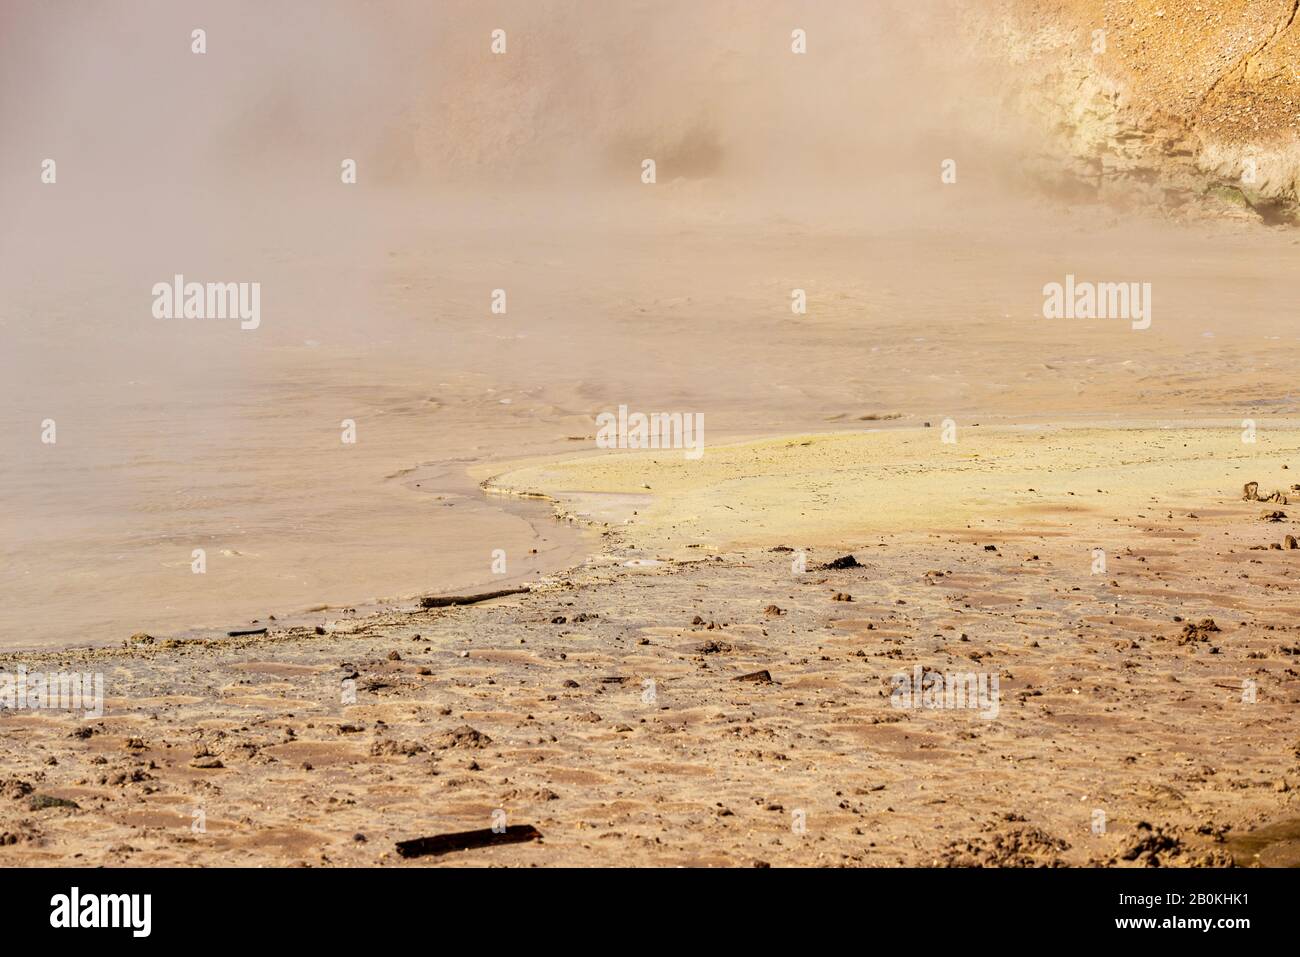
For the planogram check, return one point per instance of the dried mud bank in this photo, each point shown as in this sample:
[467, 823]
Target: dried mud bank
[1191, 106]
[718, 707]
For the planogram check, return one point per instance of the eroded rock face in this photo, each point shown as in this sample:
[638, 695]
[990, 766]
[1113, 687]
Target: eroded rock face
[1192, 105]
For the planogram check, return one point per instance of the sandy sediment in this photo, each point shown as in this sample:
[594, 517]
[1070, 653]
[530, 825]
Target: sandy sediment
[826, 489]
[1145, 714]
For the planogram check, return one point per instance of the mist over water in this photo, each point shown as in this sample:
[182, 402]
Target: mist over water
[520, 172]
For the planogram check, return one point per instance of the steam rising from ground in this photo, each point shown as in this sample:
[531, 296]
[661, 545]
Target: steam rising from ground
[414, 93]
[476, 171]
